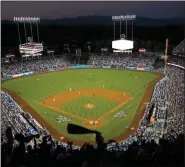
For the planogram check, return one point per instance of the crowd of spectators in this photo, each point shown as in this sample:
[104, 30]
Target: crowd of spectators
[177, 60]
[148, 146]
[179, 49]
[122, 60]
[39, 65]
[51, 153]
[20, 122]
[32, 121]
[175, 113]
[12, 115]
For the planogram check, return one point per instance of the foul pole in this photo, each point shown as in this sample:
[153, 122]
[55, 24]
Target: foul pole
[166, 53]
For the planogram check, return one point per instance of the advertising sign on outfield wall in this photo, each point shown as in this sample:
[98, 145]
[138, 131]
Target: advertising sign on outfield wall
[147, 69]
[52, 69]
[17, 75]
[59, 69]
[84, 66]
[73, 67]
[141, 69]
[27, 73]
[131, 68]
[9, 76]
[80, 66]
[106, 66]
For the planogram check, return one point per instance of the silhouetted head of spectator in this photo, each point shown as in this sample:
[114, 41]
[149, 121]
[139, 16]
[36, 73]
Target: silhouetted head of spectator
[19, 137]
[99, 140]
[29, 148]
[9, 134]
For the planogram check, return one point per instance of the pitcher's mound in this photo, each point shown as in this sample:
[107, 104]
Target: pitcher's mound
[89, 105]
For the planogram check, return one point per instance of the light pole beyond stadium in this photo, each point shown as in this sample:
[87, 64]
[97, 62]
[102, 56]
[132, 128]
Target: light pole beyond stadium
[123, 18]
[30, 21]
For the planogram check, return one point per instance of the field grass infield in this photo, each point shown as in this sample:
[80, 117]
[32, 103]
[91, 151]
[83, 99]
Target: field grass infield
[83, 96]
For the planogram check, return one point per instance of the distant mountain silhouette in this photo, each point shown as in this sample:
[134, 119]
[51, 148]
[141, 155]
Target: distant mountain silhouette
[107, 20]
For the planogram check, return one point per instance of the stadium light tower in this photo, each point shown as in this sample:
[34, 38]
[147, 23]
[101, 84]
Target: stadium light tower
[27, 20]
[123, 45]
[29, 48]
[124, 18]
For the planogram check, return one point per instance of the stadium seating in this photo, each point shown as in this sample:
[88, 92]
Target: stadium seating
[148, 146]
[179, 49]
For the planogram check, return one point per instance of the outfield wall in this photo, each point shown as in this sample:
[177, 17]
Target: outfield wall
[77, 67]
[88, 67]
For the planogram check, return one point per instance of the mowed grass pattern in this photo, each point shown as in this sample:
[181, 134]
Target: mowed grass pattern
[34, 91]
[76, 106]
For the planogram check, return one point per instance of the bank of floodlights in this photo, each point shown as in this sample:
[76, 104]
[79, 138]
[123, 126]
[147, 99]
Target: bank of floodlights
[123, 18]
[24, 21]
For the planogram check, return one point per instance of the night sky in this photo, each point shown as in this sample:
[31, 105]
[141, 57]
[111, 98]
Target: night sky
[53, 10]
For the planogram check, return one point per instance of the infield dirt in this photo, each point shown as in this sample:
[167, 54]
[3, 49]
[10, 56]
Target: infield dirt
[134, 124]
[56, 101]
[65, 97]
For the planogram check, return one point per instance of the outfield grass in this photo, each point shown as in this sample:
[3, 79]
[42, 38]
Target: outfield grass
[34, 91]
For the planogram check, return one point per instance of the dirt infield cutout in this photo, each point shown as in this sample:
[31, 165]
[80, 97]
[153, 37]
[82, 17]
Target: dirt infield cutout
[56, 101]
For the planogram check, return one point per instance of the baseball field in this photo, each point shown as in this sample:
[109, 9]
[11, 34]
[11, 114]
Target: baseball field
[86, 97]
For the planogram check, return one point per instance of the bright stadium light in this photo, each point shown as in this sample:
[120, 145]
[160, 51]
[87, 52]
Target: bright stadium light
[118, 44]
[27, 19]
[124, 17]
